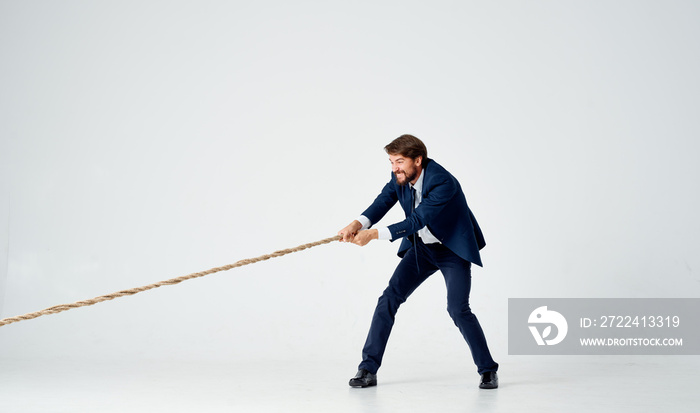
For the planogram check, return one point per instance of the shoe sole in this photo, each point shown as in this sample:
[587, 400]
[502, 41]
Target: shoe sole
[361, 386]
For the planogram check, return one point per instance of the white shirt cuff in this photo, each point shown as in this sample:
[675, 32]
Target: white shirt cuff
[366, 223]
[384, 233]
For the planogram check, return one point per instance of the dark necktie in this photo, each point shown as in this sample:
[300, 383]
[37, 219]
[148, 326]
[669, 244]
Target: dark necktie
[415, 234]
[413, 199]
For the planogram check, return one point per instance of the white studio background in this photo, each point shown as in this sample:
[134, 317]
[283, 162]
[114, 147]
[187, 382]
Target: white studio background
[143, 140]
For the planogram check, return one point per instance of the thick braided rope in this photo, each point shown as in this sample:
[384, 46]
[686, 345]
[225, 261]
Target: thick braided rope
[64, 307]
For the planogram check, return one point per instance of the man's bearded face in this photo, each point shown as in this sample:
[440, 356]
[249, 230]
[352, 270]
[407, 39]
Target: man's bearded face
[405, 169]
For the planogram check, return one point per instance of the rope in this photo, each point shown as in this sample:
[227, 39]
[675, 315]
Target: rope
[64, 307]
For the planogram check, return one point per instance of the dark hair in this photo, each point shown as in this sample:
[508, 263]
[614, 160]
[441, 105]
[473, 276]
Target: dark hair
[408, 146]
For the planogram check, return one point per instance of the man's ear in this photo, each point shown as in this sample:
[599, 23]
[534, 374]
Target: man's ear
[419, 161]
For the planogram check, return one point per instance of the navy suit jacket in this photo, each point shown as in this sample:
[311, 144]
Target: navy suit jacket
[443, 210]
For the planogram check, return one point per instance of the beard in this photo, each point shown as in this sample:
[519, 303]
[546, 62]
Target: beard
[406, 177]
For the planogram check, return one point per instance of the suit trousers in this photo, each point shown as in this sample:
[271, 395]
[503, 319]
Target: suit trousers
[419, 263]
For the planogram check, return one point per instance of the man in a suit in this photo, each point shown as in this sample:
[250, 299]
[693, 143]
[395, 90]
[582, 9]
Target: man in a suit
[439, 233]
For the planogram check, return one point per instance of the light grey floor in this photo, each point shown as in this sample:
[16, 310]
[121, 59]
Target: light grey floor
[528, 384]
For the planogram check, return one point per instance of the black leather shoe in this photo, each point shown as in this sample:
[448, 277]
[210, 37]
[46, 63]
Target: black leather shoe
[489, 380]
[363, 378]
